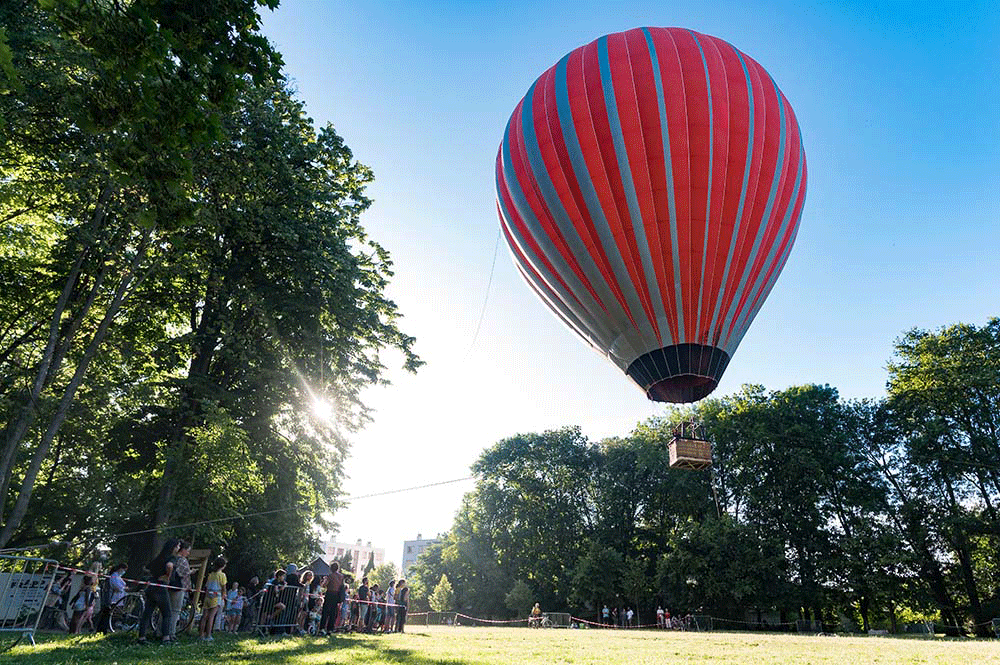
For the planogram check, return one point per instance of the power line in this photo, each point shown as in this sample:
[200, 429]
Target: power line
[286, 510]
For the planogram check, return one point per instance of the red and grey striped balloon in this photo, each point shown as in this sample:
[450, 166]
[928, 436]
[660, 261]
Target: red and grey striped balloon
[649, 186]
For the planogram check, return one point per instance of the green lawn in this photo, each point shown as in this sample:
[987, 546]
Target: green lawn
[512, 646]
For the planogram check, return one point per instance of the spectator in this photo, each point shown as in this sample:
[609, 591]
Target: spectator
[292, 576]
[605, 615]
[161, 568]
[215, 586]
[535, 620]
[232, 612]
[390, 609]
[310, 591]
[83, 603]
[181, 581]
[65, 587]
[363, 604]
[345, 605]
[628, 617]
[659, 617]
[402, 601]
[112, 593]
[250, 603]
[331, 600]
[272, 604]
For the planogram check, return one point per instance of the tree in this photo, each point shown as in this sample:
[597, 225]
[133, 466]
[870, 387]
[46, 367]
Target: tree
[109, 101]
[944, 399]
[596, 575]
[384, 574]
[442, 599]
[520, 599]
[370, 566]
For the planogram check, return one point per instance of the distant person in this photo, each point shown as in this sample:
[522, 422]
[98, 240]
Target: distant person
[628, 617]
[535, 619]
[83, 603]
[363, 604]
[161, 568]
[331, 600]
[180, 578]
[605, 615]
[310, 589]
[390, 607]
[215, 587]
[292, 578]
[232, 612]
[402, 601]
[659, 616]
[112, 593]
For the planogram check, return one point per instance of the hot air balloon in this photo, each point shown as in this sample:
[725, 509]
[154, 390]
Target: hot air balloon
[649, 187]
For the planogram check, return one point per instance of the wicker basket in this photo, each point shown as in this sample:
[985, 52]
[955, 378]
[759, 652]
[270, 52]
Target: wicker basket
[690, 454]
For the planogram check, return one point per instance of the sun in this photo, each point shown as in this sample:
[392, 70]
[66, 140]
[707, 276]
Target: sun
[322, 410]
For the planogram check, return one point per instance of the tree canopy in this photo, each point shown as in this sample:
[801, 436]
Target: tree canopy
[845, 512]
[184, 277]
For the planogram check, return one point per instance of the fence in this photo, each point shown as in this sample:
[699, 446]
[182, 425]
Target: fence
[24, 585]
[278, 610]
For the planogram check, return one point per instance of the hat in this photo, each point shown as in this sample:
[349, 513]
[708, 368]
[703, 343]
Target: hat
[292, 568]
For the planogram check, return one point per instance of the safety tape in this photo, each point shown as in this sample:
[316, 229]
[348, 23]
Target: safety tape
[466, 616]
[126, 579]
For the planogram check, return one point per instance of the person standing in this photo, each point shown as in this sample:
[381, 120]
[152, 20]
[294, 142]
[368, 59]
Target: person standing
[402, 601]
[83, 603]
[161, 568]
[112, 593]
[390, 607]
[605, 615]
[363, 604]
[331, 600]
[180, 580]
[215, 586]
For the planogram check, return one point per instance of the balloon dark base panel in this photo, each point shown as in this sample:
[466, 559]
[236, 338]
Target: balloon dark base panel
[679, 373]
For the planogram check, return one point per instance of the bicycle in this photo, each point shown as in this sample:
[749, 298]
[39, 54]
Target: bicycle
[127, 612]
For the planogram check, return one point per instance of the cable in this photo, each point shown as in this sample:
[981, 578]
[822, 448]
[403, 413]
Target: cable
[285, 510]
[486, 298]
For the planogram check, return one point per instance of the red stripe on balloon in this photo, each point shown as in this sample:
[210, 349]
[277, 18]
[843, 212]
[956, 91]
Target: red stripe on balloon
[529, 188]
[560, 170]
[626, 98]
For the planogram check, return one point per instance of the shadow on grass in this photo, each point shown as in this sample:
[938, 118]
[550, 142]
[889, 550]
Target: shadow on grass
[232, 650]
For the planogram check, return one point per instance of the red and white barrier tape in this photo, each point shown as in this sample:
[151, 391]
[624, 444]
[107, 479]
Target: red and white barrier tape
[126, 579]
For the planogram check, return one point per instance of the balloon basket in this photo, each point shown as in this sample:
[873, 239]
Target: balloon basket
[692, 454]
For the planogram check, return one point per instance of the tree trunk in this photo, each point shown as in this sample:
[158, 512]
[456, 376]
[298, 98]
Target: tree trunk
[45, 370]
[27, 484]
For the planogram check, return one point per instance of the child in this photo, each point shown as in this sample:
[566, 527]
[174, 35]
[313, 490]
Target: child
[83, 603]
[214, 588]
[233, 613]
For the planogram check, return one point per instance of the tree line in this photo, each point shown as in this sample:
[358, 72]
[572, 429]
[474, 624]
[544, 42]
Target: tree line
[868, 513]
[183, 272]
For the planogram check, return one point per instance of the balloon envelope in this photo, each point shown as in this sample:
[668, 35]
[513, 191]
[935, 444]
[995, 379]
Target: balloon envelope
[649, 186]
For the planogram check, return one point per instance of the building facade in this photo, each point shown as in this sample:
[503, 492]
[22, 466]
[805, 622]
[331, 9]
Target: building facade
[413, 549]
[360, 554]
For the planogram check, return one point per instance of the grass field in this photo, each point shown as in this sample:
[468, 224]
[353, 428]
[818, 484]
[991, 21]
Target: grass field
[512, 646]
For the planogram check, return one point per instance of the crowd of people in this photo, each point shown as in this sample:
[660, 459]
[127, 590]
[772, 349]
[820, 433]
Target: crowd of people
[626, 617]
[289, 602]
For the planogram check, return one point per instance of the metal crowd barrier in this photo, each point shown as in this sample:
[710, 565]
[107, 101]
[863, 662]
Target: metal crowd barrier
[278, 609]
[25, 583]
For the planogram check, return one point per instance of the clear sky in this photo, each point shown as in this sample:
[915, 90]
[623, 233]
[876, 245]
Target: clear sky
[899, 106]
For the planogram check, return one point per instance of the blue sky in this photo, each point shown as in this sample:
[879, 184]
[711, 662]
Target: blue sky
[899, 105]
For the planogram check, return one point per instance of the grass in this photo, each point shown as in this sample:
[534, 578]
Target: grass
[510, 646]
